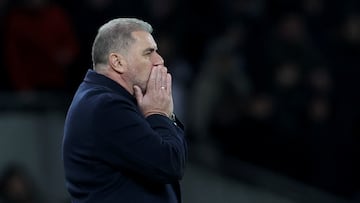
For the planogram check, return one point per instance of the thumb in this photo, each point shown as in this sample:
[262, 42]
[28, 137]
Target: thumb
[138, 93]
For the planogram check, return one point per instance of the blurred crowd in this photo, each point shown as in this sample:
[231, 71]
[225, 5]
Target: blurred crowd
[17, 185]
[272, 83]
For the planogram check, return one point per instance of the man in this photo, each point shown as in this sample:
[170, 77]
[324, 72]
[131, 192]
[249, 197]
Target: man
[122, 142]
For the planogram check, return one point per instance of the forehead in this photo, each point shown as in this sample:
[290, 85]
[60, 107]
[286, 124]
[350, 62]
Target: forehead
[143, 39]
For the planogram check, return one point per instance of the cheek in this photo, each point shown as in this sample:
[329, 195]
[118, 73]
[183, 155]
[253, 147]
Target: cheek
[142, 73]
[146, 73]
[142, 77]
[141, 69]
[144, 69]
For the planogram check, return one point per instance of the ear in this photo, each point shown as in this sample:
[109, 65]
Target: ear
[117, 62]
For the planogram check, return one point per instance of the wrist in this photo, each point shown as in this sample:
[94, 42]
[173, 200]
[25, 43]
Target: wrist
[155, 112]
[171, 116]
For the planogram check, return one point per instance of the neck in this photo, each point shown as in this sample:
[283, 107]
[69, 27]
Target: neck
[115, 76]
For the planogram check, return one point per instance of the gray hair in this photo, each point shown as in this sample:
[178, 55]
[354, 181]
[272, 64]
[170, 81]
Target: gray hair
[115, 36]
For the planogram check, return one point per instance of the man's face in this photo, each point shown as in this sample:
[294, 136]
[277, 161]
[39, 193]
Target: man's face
[141, 58]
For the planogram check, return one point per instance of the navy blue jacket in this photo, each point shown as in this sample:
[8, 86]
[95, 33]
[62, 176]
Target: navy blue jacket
[113, 154]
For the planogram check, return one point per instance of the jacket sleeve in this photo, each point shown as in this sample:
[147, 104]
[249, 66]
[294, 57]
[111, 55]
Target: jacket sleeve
[154, 147]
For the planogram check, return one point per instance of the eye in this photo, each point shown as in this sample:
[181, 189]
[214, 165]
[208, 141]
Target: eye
[149, 51]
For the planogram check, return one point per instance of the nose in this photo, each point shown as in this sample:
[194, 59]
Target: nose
[158, 60]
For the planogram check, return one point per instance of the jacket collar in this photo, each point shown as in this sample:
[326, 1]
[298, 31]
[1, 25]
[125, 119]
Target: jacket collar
[99, 79]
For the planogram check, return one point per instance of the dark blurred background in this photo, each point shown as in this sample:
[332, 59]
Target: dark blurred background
[267, 91]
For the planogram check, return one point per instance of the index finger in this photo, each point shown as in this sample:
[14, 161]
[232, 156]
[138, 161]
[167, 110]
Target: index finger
[168, 83]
